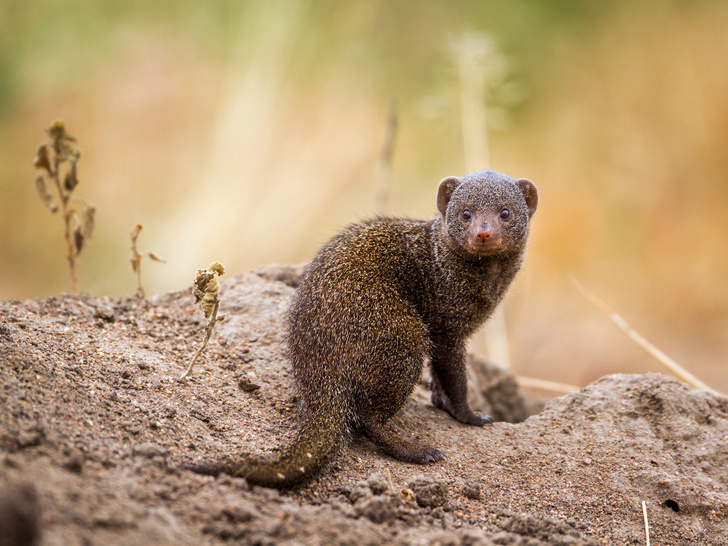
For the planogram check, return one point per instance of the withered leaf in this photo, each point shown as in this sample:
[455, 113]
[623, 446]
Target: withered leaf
[42, 161]
[88, 221]
[71, 180]
[217, 267]
[206, 288]
[156, 258]
[44, 194]
[200, 283]
[78, 239]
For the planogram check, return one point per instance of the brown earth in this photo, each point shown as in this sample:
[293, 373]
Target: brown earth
[94, 424]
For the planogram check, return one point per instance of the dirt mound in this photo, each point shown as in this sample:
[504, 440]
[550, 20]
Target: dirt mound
[94, 424]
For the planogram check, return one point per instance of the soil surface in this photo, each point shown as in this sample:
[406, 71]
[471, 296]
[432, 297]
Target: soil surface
[94, 425]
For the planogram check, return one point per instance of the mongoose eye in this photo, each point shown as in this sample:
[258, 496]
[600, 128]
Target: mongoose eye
[466, 214]
[505, 214]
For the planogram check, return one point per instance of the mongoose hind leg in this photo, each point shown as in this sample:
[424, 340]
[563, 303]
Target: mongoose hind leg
[391, 444]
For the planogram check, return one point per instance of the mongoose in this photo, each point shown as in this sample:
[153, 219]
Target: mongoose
[378, 301]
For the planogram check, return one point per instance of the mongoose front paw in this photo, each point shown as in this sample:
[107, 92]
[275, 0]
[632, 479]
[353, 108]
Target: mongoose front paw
[477, 419]
[463, 415]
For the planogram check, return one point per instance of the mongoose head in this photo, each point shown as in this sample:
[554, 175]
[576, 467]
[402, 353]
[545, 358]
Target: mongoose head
[486, 213]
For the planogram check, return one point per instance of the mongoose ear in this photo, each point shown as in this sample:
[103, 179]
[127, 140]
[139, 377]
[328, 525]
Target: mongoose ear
[530, 194]
[444, 192]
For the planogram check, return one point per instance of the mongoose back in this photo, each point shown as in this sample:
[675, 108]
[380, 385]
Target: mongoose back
[378, 301]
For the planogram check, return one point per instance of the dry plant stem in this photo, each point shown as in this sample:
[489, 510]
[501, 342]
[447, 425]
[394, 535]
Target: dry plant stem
[206, 291]
[208, 335]
[385, 161]
[647, 525]
[48, 160]
[389, 479]
[136, 259]
[140, 287]
[67, 214]
[656, 353]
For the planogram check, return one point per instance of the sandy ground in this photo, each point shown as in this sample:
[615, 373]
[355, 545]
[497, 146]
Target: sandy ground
[94, 425]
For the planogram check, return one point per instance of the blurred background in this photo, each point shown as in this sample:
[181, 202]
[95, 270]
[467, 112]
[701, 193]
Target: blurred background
[250, 132]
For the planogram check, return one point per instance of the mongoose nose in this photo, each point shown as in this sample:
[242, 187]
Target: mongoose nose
[484, 234]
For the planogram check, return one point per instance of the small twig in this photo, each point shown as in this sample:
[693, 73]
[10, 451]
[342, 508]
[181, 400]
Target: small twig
[647, 525]
[389, 479]
[656, 353]
[136, 259]
[385, 160]
[206, 290]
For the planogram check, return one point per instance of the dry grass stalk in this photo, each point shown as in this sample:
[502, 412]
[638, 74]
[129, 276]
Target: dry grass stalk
[389, 479]
[656, 353]
[647, 525]
[479, 68]
[545, 385]
[473, 55]
[206, 290]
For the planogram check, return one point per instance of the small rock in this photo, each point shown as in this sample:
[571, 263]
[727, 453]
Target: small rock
[74, 463]
[360, 490]
[248, 386]
[149, 450]
[430, 493]
[287, 274]
[378, 483]
[240, 512]
[378, 509]
[29, 438]
[19, 515]
[11, 461]
[341, 504]
[105, 313]
[199, 414]
[471, 491]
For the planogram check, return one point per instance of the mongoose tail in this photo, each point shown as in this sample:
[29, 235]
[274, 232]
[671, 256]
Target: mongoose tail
[319, 437]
